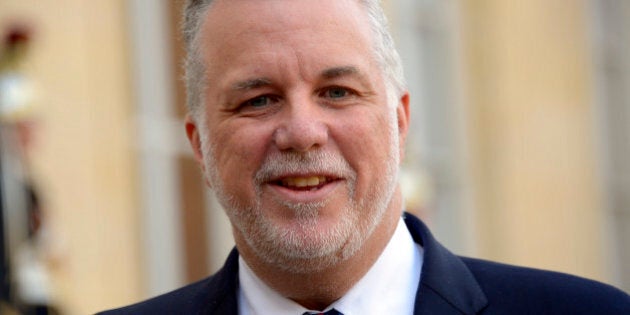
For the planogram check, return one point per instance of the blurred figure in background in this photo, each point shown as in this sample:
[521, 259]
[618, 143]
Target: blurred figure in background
[26, 282]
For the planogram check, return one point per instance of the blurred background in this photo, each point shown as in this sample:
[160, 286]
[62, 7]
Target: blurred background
[518, 151]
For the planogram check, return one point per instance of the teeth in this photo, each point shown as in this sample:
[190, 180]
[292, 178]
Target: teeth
[312, 181]
[301, 182]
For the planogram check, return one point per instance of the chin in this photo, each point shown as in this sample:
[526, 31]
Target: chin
[306, 242]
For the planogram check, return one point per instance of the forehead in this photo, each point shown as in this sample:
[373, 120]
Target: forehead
[262, 14]
[237, 25]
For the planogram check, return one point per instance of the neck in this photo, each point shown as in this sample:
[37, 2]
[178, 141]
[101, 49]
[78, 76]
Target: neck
[317, 290]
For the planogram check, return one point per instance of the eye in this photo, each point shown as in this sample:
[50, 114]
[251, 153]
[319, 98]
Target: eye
[336, 92]
[259, 101]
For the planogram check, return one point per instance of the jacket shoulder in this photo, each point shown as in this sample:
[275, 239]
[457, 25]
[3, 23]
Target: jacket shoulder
[535, 291]
[184, 300]
[213, 295]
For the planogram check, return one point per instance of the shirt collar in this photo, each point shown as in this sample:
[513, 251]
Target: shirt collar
[389, 287]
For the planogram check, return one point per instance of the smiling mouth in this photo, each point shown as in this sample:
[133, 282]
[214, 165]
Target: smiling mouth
[308, 183]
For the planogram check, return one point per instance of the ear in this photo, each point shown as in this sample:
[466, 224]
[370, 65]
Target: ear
[402, 113]
[194, 138]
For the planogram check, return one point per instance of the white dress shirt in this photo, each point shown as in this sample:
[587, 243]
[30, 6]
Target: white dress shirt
[389, 287]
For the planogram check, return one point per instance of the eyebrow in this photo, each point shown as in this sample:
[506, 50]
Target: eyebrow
[340, 71]
[330, 73]
[251, 84]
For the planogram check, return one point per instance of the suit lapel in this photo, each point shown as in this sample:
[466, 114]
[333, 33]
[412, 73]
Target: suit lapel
[446, 285]
[222, 289]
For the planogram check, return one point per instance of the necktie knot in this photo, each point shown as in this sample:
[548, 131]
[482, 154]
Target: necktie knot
[329, 312]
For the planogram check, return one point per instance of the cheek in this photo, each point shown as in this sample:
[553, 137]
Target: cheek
[366, 142]
[238, 152]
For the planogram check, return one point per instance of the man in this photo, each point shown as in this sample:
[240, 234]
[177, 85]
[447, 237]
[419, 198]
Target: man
[298, 118]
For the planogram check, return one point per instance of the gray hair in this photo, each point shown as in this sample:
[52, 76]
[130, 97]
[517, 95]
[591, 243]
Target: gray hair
[384, 51]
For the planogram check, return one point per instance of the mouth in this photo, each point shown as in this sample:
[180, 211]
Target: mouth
[304, 183]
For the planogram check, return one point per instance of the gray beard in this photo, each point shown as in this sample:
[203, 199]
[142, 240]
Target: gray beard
[306, 249]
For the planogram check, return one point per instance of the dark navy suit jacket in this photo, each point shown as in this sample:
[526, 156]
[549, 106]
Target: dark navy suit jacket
[449, 285]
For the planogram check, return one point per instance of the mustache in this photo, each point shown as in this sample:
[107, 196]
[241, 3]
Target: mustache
[280, 164]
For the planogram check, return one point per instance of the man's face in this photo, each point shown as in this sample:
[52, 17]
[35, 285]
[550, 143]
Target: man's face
[297, 137]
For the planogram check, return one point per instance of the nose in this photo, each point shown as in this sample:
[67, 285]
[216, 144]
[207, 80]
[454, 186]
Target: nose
[302, 127]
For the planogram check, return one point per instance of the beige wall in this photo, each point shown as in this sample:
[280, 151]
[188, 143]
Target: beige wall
[531, 133]
[84, 157]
